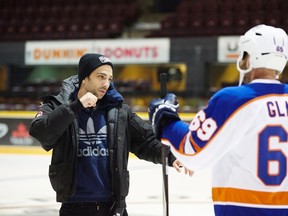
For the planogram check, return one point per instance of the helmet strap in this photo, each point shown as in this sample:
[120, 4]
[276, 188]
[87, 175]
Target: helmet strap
[241, 71]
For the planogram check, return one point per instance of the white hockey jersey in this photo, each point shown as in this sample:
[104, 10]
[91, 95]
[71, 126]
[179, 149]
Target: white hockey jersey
[243, 135]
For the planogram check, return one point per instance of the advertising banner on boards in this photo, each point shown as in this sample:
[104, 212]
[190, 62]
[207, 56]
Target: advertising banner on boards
[124, 51]
[227, 48]
[16, 132]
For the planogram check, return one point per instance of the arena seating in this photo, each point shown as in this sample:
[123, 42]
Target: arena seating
[221, 17]
[22, 20]
[65, 19]
[81, 19]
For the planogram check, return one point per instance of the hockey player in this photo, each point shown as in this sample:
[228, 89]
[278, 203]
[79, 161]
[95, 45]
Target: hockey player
[242, 133]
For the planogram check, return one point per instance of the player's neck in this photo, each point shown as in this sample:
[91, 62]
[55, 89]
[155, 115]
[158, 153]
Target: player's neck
[264, 74]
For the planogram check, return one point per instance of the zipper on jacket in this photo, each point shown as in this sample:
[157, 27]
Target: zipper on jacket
[112, 121]
[116, 147]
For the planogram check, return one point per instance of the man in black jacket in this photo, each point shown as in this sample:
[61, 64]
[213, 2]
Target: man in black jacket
[91, 131]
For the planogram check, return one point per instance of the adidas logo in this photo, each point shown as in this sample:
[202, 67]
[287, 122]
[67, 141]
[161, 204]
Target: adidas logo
[93, 141]
[89, 151]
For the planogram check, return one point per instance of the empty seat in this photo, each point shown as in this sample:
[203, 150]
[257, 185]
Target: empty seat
[86, 29]
[132, 12]
[211, 24]
[241, 5]
[256, 5]
[226, 6]
[284, 20]
[211, 6]
[61, 29]
[183, 8]
[100, 28]
[196, 24]
[119, 10]
[257, 17]
[10, 31]
[115, 27]
[182, 21]
[242, 22]
[106, 9]
[48, 30]
[74, 29]
[182, 26]
[273, 18]
[226, 23]
[271, 5]
[168, 23]
[24, 31]
[196, 6]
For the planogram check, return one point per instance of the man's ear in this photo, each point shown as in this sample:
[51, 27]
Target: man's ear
[247, 61]
[244, 64]
[83, 81]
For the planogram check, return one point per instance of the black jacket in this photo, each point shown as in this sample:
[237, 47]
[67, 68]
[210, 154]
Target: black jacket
[56, 127]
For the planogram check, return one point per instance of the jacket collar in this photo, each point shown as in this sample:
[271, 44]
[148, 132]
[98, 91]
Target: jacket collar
[70, 87]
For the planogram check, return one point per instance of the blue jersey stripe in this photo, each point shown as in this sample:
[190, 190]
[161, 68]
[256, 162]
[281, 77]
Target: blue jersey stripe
[180, 128]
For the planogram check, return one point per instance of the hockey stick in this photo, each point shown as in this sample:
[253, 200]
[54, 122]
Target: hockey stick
[164, 153]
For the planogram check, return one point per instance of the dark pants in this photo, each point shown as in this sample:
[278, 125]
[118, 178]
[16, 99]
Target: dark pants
[86, 209]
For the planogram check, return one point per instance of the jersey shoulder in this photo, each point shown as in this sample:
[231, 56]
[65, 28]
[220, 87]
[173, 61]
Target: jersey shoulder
[232, 96]
[238, 95]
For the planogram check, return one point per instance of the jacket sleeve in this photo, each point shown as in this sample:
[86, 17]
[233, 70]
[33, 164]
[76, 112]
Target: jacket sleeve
[144, 143]
[51, 123]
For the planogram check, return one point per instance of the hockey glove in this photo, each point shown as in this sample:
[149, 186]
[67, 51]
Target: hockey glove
[161, 111]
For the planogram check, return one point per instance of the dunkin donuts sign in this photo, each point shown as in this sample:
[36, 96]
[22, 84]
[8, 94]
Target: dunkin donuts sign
[122, 51]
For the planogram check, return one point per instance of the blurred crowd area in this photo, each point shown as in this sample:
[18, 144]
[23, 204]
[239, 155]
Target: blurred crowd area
[18, 99]
[26, 20]
[78, 19]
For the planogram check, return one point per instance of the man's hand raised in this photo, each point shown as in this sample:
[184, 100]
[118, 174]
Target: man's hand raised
[88, 100]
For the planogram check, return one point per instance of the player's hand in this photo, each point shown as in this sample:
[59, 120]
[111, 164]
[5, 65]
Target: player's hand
[88, 100]
[161, 111]
[179, 167]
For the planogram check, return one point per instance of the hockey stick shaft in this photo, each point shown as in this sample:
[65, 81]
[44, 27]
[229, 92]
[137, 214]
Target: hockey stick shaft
[164, 153]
